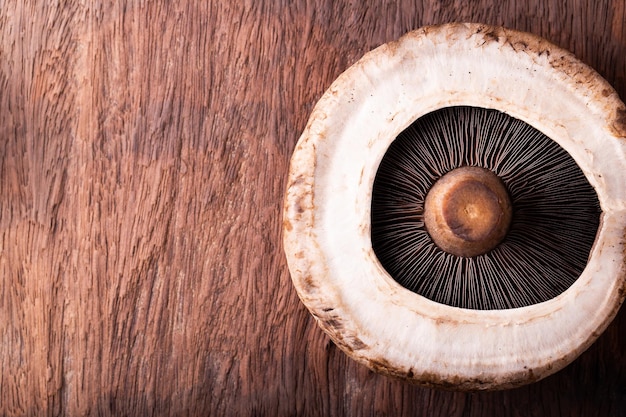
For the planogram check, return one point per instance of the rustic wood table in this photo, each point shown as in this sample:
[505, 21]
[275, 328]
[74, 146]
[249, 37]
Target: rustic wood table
[143, 158]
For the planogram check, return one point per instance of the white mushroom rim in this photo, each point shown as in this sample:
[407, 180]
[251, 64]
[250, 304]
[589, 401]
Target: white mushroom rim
[327, 209]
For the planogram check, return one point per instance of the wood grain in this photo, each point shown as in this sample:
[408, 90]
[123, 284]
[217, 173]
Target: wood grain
[143, 157]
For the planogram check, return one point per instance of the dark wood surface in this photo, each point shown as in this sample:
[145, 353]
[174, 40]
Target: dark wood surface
[143, 157]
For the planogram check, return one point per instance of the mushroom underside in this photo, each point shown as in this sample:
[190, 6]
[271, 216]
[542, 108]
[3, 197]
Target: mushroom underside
[433, 314]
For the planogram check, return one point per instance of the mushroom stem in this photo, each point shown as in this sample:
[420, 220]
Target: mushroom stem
[467, 212]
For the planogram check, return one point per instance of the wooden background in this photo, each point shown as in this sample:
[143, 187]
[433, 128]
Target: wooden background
[143, 157]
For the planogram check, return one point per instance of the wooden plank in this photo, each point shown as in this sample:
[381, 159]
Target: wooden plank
[143, 156]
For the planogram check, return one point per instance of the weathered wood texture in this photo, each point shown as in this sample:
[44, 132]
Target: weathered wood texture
[143, 156]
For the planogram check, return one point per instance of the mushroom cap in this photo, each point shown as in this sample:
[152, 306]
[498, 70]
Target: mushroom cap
[327, 207]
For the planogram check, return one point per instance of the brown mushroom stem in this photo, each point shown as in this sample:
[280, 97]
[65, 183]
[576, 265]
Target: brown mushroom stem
[468, 211]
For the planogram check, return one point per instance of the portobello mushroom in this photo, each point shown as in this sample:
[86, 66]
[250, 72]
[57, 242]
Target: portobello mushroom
[516, 265]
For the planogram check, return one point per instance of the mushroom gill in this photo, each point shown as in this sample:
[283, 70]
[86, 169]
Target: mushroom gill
[554, 221]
